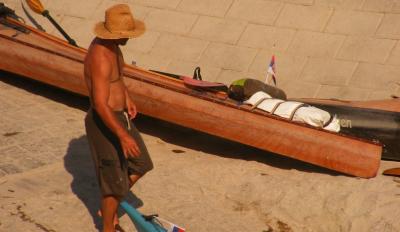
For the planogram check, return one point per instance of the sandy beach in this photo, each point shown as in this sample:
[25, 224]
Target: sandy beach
[200, 182]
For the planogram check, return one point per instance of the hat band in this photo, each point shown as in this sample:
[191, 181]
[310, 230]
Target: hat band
[118, 31]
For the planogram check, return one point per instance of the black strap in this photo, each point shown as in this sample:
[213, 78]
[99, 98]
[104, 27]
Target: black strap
[295, 110]
[196, 74]
[167, 74]
[8, 12]
[149, 217]
[276, 107]
[261, 100]
[5, 11]
[330, 120]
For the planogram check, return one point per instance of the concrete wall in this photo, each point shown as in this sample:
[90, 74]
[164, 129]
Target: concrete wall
[345, 49]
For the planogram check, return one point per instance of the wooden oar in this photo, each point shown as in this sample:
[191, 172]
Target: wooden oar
[33, 21]
[37, 7]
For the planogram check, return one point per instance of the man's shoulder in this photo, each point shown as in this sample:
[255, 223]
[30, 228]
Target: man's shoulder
[98, 56]
[100, 50]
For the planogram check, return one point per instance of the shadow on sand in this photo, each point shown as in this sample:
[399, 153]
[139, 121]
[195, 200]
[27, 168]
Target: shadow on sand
[78, 163]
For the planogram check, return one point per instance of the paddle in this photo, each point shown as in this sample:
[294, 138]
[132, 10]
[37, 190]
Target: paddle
[37, 7]
[151, 223]
[33, 21]
[392, 172]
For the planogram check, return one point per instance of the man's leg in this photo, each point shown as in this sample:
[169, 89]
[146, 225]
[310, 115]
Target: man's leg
[109, 206]
[133, 179]
[106, 202]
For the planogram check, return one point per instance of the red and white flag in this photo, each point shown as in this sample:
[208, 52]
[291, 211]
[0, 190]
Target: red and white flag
[271, 70]
[169, 226]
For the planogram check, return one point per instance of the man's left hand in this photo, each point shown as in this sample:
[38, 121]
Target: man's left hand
[131, 107]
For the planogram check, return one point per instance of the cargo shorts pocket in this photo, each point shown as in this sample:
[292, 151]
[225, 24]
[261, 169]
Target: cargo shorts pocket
[113, 178]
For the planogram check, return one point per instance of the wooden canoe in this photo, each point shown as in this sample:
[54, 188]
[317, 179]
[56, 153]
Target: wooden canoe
[47, 59]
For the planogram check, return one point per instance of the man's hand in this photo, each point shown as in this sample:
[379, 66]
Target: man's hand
[131, 107]
[129, 147]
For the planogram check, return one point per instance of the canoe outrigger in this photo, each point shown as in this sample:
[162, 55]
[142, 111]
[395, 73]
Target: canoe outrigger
[45, 58]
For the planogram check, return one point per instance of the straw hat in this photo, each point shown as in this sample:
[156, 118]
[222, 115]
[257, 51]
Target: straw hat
[119, 24]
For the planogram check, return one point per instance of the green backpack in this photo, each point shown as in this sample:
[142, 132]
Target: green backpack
[243, 89]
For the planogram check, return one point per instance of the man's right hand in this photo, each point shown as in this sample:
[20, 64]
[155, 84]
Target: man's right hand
[129, 147]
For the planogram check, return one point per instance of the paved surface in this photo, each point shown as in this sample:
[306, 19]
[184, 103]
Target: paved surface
[38, 128]
[47, 180]
[35, 131]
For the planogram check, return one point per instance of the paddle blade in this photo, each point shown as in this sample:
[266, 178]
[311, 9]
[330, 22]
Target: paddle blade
[392, 172]
[36, 6]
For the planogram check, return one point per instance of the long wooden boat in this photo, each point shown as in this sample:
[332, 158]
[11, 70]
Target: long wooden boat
[42, 57]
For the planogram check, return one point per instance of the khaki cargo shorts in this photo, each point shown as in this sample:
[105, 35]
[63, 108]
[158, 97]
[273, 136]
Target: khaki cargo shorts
[112, 168]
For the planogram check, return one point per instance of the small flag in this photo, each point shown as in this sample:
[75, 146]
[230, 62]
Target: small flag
[177, 229]
[271, 70]
[169, 226]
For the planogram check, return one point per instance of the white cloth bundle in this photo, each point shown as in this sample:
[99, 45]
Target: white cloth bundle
[296, 111]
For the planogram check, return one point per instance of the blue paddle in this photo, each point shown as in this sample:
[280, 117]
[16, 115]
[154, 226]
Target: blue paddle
[141, 224]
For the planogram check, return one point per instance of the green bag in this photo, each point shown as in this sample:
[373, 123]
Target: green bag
[243, 89]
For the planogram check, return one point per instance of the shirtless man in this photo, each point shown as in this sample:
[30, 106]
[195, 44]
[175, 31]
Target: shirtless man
[118, 151]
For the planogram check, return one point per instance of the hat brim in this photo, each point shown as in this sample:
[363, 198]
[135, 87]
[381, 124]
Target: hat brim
[103, 33]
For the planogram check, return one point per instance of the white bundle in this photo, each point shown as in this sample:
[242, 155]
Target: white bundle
[296, 111]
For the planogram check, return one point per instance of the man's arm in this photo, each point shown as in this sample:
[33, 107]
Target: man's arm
[101, 70]
[130, 105]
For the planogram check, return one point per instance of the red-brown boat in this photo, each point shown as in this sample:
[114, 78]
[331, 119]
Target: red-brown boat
[45, 58]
